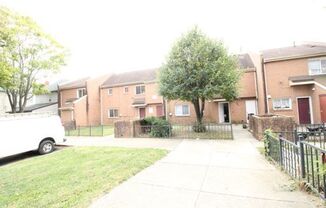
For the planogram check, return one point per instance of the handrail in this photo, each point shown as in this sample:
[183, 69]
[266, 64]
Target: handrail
[313, 146]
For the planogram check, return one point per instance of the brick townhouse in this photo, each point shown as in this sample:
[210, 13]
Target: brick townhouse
[219, 110]
[79, 101]
[286, 81]
[295, 82]
[134, 95]
[130, 96]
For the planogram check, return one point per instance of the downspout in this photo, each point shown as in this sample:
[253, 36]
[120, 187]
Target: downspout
[256, 86]
[100, 91]
[87, 104]
[264, 85]
[59, 99]
[165, 109]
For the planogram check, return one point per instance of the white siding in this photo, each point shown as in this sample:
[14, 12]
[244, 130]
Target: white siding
[4, 103]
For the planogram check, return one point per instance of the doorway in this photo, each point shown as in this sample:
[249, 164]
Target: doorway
[142, 113]
[304, 109]
[251, 108]
[224, 112]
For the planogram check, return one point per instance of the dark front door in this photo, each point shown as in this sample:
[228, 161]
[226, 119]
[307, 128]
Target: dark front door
[322, 100]
[304, 110]
[226, 112]
[142, 113]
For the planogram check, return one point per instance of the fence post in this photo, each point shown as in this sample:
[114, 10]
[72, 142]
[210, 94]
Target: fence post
[280, 149]
[78, 130]
[296, 136]
[302, 162]
[231, 131]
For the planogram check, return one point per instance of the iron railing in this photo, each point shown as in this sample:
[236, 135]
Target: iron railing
[211, 131]
[311, 128]
[314, 167]
[102, 130]
[316, 137]
[301, 160]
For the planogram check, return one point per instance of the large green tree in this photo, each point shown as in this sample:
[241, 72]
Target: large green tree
[25, 52]
[198, 69]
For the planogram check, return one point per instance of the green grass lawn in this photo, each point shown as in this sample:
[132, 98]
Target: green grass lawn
[71, 177]
[91, 131]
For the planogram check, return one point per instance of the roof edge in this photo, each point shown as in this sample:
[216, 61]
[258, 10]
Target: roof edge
[285, 58]
[127, 84]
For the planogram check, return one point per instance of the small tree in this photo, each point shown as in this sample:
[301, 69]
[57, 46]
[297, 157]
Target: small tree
[199, 69]
[25, 51]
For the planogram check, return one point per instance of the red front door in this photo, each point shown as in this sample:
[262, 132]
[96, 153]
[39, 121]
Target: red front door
[159, 110]
[304, 110]
[142, 113]
[322, 100]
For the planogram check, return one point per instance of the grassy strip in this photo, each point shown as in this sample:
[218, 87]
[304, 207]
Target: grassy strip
[71, 177]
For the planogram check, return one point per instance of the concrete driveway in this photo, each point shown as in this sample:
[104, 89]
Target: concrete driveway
[208, 173]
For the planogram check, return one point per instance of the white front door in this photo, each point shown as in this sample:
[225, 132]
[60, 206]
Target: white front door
[251, 108]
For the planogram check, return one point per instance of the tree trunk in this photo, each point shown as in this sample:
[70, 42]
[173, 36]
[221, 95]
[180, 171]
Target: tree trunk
[12, 100]
[199, 105]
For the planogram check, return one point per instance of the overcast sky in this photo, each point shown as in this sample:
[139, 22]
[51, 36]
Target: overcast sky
[115, 36]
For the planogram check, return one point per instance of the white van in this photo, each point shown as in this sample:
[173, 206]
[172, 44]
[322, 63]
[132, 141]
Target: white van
[29, 131]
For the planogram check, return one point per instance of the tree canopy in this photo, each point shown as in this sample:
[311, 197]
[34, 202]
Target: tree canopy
[25, 51]
[197, 69]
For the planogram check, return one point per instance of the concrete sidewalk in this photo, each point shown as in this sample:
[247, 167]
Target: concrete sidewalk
[207, 173]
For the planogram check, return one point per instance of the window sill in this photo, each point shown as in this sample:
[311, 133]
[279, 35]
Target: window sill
[182, 115]
[289, 109]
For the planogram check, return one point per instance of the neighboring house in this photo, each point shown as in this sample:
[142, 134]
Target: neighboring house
[38, 103]
[45, 102]
[4, 102]
[130, 96]
[79, 101]
[295, 82]
[219, 110]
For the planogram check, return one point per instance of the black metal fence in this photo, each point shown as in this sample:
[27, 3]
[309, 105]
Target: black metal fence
[103, 130]
[315, 135]
[314, 167]
[311, 128]
[210, 131]
[301, 160]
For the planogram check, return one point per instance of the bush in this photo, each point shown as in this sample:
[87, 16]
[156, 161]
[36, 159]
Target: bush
[199, 127]
[267, 133]
[159, 127]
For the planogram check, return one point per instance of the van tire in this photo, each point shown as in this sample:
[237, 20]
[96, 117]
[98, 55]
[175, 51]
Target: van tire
[46, 146]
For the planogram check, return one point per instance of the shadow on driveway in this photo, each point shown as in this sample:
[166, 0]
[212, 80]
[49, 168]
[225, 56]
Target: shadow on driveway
[22, 156]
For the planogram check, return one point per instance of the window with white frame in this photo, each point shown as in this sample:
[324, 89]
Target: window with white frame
[140, 89]
[113, 113]
[81, 92]
[126, 90]
[282, 104]
[182, 110]
[110, 91]
[317, 66]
